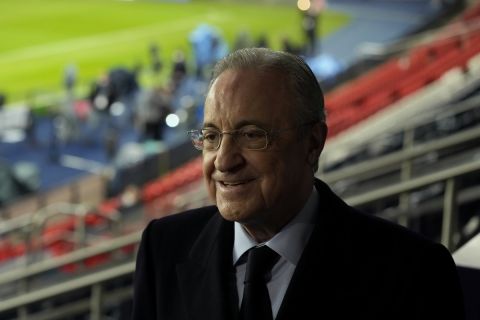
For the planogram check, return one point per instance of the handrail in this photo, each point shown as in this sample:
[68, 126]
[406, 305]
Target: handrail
[75, 256]
[24, 221]
[44, 213]
[415, 183]
[396, 158]
[70, 285]
[453, 109]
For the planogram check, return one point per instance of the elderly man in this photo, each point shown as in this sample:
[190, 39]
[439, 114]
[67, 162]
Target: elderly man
[279, 244]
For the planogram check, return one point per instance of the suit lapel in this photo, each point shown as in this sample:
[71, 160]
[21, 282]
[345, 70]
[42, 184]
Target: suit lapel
[313, 286]
[207, 279]
[313, 282]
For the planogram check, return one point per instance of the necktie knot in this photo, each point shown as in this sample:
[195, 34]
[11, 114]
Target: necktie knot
[259, 264]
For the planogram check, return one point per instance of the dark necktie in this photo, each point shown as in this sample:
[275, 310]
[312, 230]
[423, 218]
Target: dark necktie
[256, 303]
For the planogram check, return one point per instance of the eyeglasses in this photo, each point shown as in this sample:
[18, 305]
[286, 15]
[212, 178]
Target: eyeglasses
[249, 137]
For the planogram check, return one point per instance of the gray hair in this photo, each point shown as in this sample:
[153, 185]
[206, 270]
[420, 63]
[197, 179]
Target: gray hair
[304, 86]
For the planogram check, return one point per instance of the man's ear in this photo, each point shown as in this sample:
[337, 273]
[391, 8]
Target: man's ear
[318, 135]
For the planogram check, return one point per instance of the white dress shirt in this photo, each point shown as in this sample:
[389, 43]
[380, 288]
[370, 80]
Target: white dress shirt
[288, 243]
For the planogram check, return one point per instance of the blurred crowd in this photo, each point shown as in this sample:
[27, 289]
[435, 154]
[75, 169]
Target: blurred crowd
[119, 112]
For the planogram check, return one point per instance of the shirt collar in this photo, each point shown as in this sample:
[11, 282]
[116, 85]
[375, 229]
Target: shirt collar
[290, 241]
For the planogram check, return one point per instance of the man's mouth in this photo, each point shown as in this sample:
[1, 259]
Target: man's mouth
[235, 183]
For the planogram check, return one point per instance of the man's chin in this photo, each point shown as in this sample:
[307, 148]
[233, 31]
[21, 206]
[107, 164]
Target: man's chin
[233, 210]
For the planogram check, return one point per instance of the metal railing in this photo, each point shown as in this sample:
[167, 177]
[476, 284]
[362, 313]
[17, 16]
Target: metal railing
[94, 281]
[449, 176]
[401, 158]
[94, 303]
[410, 150]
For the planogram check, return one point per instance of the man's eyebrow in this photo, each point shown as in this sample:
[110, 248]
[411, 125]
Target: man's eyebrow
[209, 125]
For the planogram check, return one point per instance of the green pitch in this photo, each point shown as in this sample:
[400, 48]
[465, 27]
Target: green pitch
[39, 38]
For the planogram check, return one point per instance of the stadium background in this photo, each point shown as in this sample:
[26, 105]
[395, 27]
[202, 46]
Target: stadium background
[80, 178]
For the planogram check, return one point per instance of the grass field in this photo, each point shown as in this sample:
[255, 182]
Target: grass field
[40, 37]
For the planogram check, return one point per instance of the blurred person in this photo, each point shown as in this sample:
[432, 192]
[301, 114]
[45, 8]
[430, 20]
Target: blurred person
[153, 109]
[70, 78]
[155, 60]
[3, 100]
[30, 127]
[179, 70]
[100, 96]
[123, 84]
[262, 41]
[309, 26]
[289, 46]
[111, 143]
[263, 131]
[208, 47]
[53, 149]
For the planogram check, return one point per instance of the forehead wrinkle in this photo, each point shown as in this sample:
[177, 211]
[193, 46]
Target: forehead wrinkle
[235, 93]
[222, 94]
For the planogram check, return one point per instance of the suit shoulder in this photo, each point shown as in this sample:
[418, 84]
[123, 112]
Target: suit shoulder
[376, 232]
[359, 229]
[186, 220]
[172, 236]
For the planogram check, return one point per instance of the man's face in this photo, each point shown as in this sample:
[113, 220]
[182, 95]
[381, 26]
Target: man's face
[259, 188]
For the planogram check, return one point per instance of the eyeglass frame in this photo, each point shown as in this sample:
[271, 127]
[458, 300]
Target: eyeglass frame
[234, 133]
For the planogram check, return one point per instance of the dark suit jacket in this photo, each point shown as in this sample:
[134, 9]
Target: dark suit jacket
[354, 266]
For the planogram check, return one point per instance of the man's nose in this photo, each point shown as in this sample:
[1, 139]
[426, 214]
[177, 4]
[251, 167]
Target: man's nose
[228, 155]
